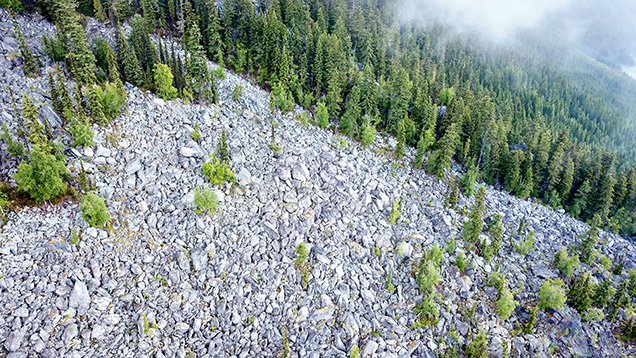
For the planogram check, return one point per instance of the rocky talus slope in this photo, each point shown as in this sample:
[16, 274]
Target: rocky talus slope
[166, 282]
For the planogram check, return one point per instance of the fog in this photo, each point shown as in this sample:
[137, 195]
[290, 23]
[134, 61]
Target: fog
[604, 30]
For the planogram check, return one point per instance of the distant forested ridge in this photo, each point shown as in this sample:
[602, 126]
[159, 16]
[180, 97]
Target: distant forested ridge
[511, 119]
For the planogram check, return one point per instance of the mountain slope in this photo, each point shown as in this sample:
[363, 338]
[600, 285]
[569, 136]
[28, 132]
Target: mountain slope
[168, 282]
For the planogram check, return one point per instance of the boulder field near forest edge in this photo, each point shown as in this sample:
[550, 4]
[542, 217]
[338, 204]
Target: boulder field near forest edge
[168, 282]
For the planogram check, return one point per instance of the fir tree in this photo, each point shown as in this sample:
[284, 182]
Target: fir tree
[367, 132]
[348, 123]
[590, 239]
[322, 115]
[451, 194]
[95, 106]
[55, 97]
[130, 64]
[399, 148]
[470, 178]
[474, 225]
[581, 293]
[224, 153]
[163, 82]
[30, 121]
[441, 159]
[99, 10]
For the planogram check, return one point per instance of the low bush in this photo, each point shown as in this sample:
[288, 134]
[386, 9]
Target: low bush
[94, 210]
[389, 282]
[196, 133]
[427, 275]
[237, 92]
[506, 304]
[527, 245]
[435, 254]
[205, 201]
[41, 178]
[552, 294]
[217, 172]
[427, 310]
[395, 211]
[478, 348]
[367, 131]
[498, 281]
[14, 147]
[460, 261]
[301, 263]
[81, 131]
[593, 315]
[566, 264]
[322, 115]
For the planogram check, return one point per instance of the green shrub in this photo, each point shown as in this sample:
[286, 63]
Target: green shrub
[593, 315]
[14, 147]
[301, 263]
[389, 283]
[205, 201]
[42, 178]
[605, 262]
[581, 292]
[506, 304]
[217, 172]
[552, 294]
[4, 203]
[237, 92]
[529, 327]
[498, 281]
[604, 291]
[435, 254]
[589, 241]
[196, 133]
[81, 131]
[566, 264]
[302, 118]
[219, 73]
[427, 310]
[14, 6]
[427, 276]
[112, 101]
[478, 348]
[395, 211]
[460, 261]
[163, 81]
[224, 152]
[272, 144]
[94, 210]
[450, 248]
[367, 132]
[527, 245]
[355, 352]
[301, 254]
[322, 115]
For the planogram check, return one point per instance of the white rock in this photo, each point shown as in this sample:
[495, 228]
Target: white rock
[188, 152]
[79, 296]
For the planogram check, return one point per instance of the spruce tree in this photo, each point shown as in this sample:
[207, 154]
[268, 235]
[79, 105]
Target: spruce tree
[30, 121]
[224, 153]
[80, 58]
[349, 121]
[452, 194]
[367, 132]
[130, 63]
[470, 178]
[472, 228]
[322, 115]
[582, 292]
[99, 10]
[56, 102]
[163, 82]
[443, 156]
[590, 239]
[401, 139]
[95, 106]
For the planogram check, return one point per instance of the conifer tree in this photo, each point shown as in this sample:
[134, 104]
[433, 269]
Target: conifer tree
[590, 238]
[367, 133]
[30, 121]
[80, 58]
[474, 225]
[55, 98]
[99, 10]
[224, 153]
[29, 65]
[62, 93]
[470, 178]
[213, 33]
[442, 157]
[322, 115]
[163, 82]
[603, 293]
[130, 63]
[401, 138]
[349, 121]
[618, 300]
[95, 106]
[452, 194]
[581, 199]
[581, 293]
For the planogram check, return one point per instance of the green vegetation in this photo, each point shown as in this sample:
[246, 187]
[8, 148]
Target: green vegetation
[551, 294]
[389, 283]
[94, 210]
[460, 261]
[205, 201]
[566, 264]
[41, 178]
[217, 172]
[526, 246]
[395, 211]
[14, 147]
[301, 263]
[163, 80]
[427, 311]
[238, 92]
[427, 275]
[472, 228]
[506, 304]
[196, 133]
[355, 352]
[478, 348]
[322, 116]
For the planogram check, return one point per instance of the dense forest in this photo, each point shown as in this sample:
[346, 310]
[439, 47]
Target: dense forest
[510, 119]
